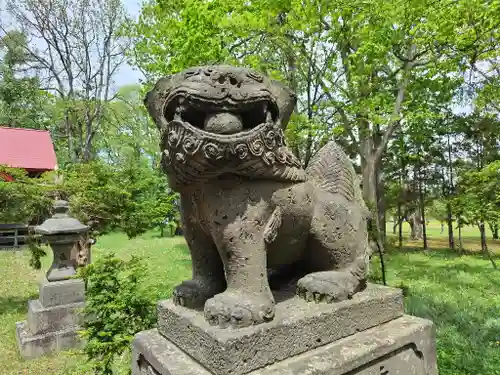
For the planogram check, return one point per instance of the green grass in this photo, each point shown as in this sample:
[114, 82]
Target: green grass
[461, 294]
[168, 263]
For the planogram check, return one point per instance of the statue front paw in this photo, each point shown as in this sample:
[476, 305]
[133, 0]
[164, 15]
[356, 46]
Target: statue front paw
[194, 293]
[239, 309]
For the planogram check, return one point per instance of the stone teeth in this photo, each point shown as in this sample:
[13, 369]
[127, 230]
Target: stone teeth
[178, 113]
[269, 117]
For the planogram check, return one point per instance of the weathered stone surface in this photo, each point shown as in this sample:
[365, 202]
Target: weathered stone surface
[62, 232]
[61, 222]
[53, 319]
[64, 292]
[56, 318]
[297, 327]
[403, 346]
[33, 346]
[248, 205]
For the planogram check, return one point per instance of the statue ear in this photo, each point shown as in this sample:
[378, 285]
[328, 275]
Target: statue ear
[155, 99]
[286, 100]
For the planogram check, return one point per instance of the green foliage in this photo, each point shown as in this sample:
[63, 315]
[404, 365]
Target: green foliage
[304, 42]
[95, 194]
[126, 130]
[24, 200]
[22, 101]
[479, 194]
[36, 251]
[117, 307]
[130, 196]
[438, 210]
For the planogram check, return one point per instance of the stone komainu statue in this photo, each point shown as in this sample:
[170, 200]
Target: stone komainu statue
[247, 204]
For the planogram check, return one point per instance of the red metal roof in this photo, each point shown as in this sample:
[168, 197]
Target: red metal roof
[27, 148]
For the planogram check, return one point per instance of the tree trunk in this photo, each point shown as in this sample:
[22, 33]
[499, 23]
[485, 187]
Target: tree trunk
[396, 221]
[415, 221]
[449, 219]
[69, 136]
[484, 244]
[460, 239]
[178, 229]
[381, 203]
[370, 197]
[399, 222]
[449, 192]
[400, 233]
[422, 209]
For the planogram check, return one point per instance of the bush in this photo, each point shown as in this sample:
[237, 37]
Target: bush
[131, 197]
[117, 307]
[24, 200]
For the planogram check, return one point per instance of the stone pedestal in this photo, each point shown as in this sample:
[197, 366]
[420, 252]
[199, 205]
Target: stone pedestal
[53, 319]
[367, 335]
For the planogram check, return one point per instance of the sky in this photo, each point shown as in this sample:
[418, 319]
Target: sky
[127, 74]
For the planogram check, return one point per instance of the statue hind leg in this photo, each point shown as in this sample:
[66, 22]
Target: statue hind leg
[337, 253]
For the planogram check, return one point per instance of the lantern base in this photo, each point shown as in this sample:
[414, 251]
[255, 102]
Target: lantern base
[53, 320]
[56, 293]
[34, 346]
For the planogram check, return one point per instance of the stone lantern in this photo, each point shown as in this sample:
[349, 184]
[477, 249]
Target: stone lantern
[62, 232]
[54, 318]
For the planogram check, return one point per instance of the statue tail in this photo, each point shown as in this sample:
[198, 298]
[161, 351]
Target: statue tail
[332, 171]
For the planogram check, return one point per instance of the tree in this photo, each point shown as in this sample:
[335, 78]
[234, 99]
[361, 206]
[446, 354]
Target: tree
[360, 69]
[22, 102]
[130, 196]
[127, 130]
[438, 211]
[75, 48]
[24, 200]
[480, 198]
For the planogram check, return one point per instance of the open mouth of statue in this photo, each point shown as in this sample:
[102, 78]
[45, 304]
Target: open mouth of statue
[224, 117]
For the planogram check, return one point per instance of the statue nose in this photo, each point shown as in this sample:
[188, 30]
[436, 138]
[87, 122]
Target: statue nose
[228, 79]
[223, 123]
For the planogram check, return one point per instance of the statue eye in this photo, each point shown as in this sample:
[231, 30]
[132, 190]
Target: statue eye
[255, 76]
[191, 72]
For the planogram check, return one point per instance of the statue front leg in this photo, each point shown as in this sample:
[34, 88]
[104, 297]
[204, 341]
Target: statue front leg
[248, 299]
[208, 273]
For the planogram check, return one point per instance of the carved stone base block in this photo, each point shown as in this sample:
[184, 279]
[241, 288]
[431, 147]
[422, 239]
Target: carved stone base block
[297, 327]
[351, 337]
[53, 320]
[402, 346]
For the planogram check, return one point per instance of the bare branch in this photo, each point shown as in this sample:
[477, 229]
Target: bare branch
[395, 117]
[75, 46]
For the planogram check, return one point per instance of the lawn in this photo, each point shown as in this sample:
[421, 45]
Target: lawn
[459, 293]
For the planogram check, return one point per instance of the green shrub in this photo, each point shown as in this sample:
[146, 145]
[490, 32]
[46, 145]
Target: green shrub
[117, 307]
[25, 200]
[131, 197]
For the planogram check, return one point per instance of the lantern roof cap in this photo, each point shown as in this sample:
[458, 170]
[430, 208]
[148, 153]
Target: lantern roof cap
[61, 222]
